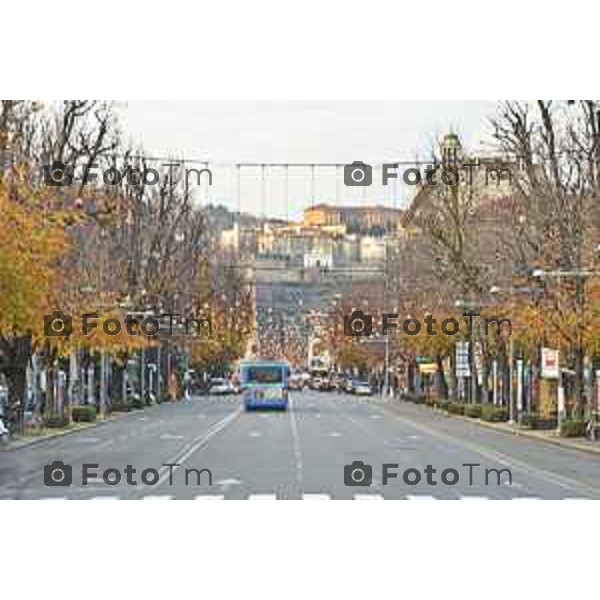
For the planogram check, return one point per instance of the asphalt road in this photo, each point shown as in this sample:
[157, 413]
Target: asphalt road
[301, 454]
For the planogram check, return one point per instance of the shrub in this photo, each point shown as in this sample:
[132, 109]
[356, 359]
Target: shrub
[56, 421]
[572, 428]
[529, 419]
[442, 404]
[473, 410]
[532, 420]
[430, 401]
[494, 414]
[456, 408]
[83, 414]
[136, 402]
[120, 407]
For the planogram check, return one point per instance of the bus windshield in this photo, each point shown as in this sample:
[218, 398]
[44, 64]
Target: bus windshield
[263, 374]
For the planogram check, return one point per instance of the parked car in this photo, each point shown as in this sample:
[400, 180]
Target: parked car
[315, 383]
[296, 382]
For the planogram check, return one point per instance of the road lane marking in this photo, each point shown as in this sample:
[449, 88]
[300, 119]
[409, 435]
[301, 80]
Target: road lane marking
[262, 497]
[210, 497]
[368, 497]
[524, 498]
[158, 497]
[255, 434]
[104, 498]
[558, 479]
[193, 447]
[335, 434]
[308, 496]
[421, 497]
[474, 498]
[296, 444]
[170, 436]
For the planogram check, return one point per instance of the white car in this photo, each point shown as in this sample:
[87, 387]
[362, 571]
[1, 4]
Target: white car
[220, 387]
[362, 388]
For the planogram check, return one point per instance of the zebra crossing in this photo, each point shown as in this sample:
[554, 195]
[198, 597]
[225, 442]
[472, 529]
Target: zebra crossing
[306, 496]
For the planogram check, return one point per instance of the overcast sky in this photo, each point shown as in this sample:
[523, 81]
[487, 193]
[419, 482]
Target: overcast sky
[228, 132]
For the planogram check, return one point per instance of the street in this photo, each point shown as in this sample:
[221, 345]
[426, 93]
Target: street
[299, 454]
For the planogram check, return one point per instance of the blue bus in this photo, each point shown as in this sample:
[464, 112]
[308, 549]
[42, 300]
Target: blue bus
[264, 384]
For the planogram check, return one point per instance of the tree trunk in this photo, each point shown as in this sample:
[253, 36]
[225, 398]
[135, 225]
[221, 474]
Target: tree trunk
[16, 359]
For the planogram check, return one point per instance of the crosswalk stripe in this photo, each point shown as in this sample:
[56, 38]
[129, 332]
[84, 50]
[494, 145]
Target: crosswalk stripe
[104, 498]
[262, 497]
[308, 496]
[157, 498]
[368, 497]
[210, 497]
[421, 498]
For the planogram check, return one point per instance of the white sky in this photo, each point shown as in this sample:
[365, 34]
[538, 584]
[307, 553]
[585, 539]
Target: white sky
[228, 132]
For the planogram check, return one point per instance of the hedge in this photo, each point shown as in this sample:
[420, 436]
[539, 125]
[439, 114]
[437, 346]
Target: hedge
[56, 421]
[492, 413]
[456, 408]
[473, 410]
[83, 414]
[572, 428]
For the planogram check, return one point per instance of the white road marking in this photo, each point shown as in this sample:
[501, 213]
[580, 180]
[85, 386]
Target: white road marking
[255, 434]
[196, 444]
[335, 434]
[296, 444]
[513, 484]
[421, 498]
[473, 498]
[210, 497]
[368, 497]
[104, 498]
[157, 498]
[170, 436]
[309, 496]
[228, 482]
[375, 417]
[262, 497]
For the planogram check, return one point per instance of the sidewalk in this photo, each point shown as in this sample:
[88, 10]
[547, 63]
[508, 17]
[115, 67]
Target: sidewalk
[31, 440]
